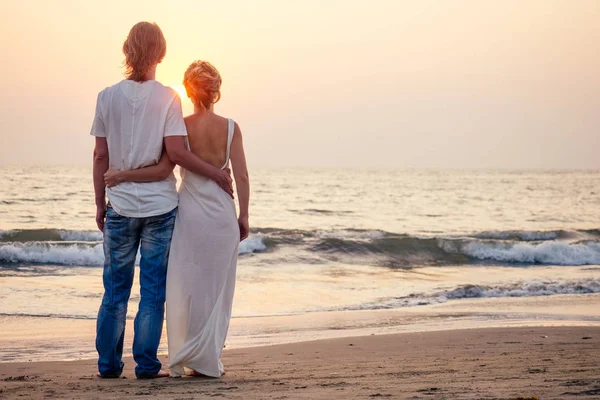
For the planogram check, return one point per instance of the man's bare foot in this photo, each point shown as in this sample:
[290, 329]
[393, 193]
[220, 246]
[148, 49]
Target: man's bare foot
[159, 374]
[107, 376]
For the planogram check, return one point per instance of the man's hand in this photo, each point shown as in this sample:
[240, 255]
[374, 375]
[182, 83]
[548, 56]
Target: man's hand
[180, 155]
[223, 179]
[112, 178]
[100, 216]
[244, 228]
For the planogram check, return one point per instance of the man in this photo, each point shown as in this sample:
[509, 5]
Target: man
[134, 120]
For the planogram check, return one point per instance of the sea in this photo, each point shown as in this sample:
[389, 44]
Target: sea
[332, 252]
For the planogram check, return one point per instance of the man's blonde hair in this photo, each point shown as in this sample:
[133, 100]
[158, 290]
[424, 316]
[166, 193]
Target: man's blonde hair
[144, 47]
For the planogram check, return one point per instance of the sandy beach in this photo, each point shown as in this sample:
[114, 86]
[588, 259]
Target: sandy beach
[495, 363]
[326, 199]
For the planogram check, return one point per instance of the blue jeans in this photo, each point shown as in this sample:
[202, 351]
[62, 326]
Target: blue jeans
[122, 237]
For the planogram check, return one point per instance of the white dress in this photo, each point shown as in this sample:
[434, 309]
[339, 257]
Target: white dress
[201, 274]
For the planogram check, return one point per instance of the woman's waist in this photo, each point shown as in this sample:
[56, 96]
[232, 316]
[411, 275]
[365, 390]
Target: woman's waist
[206, 189]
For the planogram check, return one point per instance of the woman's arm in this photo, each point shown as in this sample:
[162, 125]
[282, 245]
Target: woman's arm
[153, 173]
[242, 181]
[181, 156]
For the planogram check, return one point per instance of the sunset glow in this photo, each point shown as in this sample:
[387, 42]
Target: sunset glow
[181, 91]
[422, 83]
[384, 198]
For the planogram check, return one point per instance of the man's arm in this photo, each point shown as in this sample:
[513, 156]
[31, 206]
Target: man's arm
[153, 173]
[99, 169]
[180, 155]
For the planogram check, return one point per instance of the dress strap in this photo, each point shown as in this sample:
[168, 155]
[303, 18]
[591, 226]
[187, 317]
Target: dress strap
[230, 130]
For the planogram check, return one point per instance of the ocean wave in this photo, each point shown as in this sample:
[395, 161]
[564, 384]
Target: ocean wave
[49, 235]
[349, 233]
[352, 234]
[49, 315]
[393, 251]
[253, 244]
[408, 251]
[525, 236]
[47, 253]
[524, 289]
[550, 252]
[534, 288]
[80, 254]
[321, 211]
[353, 246]
[54, 235]
[81, 236]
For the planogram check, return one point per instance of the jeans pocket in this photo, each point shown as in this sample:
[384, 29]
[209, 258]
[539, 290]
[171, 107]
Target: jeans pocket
[111, 213]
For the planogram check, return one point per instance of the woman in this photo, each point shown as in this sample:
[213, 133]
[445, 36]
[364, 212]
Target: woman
[204, 248]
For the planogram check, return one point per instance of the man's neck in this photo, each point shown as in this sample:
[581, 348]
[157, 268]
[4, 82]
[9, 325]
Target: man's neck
[151, 74]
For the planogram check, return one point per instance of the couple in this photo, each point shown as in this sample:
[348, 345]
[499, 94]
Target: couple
[140, 135]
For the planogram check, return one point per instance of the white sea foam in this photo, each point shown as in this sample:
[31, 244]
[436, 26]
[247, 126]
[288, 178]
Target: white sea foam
[533, 288]
[82, 255]
[525, 289]
[552, 253]
[253, 244]
[348, 234]
[52, 254]
[81, 236]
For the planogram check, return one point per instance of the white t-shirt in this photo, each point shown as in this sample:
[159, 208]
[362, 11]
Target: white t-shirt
[134, 117]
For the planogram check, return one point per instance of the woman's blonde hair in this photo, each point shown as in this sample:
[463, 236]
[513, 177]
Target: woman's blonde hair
[144, 47]
[202, 83]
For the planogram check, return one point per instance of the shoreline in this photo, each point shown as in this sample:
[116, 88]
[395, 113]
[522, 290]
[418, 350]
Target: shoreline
[548, 362]
[28, 339]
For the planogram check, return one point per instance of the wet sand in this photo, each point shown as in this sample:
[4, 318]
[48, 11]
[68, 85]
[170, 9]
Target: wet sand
[31, 339]
[498, 363]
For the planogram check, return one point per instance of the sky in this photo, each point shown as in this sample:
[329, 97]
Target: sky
[325, 83]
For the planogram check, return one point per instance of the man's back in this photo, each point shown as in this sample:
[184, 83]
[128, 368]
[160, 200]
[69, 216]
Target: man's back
[132, 120]
[135, 117]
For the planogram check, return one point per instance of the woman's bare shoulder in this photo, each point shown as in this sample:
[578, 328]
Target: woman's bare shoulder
[219, 119]
[207, 123]
[189, 120]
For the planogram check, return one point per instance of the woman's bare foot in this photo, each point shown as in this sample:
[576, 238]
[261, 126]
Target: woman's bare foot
[201, 375]
[159, 374]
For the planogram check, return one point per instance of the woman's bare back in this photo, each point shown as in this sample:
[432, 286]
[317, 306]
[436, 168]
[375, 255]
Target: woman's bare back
[207, 135]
